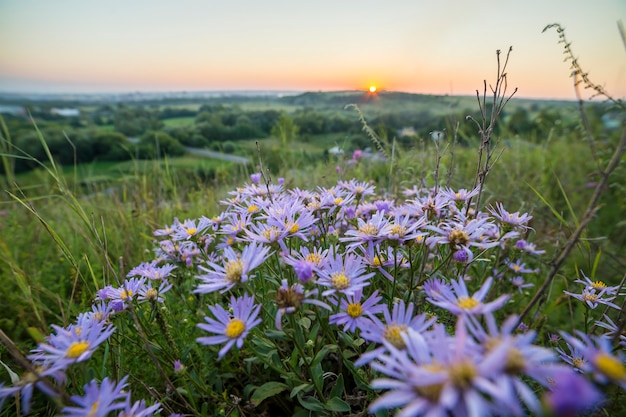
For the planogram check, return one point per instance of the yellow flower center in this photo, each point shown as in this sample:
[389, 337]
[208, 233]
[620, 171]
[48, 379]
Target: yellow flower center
[598, 285]
[516, 268]
[431, 392]
[271, 233]
[234, 328]
[354, 310]
[234, 270]
[462, 374]
[152, 294]
[340, 281]
[376, 261]
[578, 362]
[515, 361]
[314, 258]
[398, 230]
[467, 303]
[458, 238]
[368, 229]
[94, 409]
[419, 239]
[393, 334]
[590, 297]
[338, 201]
[76, 349]
[126, 294]
[253, 208]
[610, 366]
[192, 231]
[294, 228]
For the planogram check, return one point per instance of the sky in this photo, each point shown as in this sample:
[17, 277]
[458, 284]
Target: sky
[429, 47]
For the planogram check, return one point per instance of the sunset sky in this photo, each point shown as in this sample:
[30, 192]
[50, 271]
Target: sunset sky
[432, 47]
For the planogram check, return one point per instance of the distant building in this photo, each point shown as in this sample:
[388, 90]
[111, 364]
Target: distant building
[65, 112]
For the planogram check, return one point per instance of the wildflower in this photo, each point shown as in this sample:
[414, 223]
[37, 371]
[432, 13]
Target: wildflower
[592, 298]
[519, 283]
[403, 228]
[458, 301]
[359, 189]
[149, 293]
[528, 247]
[391, 330]
[458, 197]
[120, 297]
[25, 385]
[612, 328]
[510, 219]
[604, 364]
[574, 358]
[519, 267]
[150, 270]
[379, 259]
[256, 177]
[367, 231]
[355, 314]
[178, 366]
[438, 376]
[598, 286]
[139, 409]
[167, 230]
[190, 228]
[235, 269]
[461, 235]
[98, 401]
[76, 343]
[289, 298]
[231, 329]
[523, 359]
[344, 274]
[571, 395]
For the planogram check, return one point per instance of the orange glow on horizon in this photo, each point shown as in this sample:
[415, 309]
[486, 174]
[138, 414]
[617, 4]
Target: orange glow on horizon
[372, 89]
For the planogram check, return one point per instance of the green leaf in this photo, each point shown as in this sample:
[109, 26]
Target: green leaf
[337, 404]
[269, 389]
[322, 354]
[311, 403]
[300, 388]
[338, 388]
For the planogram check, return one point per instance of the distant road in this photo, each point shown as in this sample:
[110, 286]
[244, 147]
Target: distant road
[217, 155]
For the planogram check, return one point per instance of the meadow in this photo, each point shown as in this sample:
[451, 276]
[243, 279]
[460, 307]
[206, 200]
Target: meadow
[478, 273]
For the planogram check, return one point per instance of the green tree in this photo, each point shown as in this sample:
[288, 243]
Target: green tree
[285, 129]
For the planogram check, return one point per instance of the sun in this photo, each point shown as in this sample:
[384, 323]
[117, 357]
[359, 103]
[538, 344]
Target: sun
[372, 89]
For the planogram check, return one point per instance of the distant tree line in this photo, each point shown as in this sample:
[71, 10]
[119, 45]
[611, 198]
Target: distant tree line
[102, 133]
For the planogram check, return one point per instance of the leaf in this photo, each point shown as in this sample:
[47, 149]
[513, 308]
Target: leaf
[322, 354]
[337, 390]
[269, 389]
[337, 404]
[299, 388]
[311, 403]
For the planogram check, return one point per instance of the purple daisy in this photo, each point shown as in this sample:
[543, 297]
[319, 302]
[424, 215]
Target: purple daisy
[344, 274]
[231, 329]
[70, 345]
[356, 315]
[235, 269]
[98, 401]
[458, 301]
